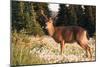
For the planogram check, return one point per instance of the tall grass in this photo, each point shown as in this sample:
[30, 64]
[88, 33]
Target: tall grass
[20, 51]
[30, 50]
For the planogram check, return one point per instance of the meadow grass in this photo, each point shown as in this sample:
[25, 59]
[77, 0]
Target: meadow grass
[20, 51]
[33, 50]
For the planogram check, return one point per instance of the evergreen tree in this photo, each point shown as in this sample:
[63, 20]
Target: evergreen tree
[87, 20]
[38, 7]
[17, 15]
[62, 17]
[79, 13]
[94, 14]
[90, 20]
[25, 18]
[72, 15]
[30, 16]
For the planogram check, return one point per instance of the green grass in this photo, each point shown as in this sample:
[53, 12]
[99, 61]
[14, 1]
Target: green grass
[20, 51]
[30, 50]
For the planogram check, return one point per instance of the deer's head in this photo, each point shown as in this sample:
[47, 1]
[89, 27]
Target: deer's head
[49, 24]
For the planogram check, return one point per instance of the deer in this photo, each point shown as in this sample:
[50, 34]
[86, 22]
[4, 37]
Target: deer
[68, 34]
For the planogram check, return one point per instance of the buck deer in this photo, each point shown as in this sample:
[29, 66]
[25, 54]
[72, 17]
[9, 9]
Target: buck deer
[68, 34]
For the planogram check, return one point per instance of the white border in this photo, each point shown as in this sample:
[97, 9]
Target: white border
[5, 35]
[84, 2]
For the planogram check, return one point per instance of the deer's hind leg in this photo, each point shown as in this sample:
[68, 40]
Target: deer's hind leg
[83, 42]
[87, 49]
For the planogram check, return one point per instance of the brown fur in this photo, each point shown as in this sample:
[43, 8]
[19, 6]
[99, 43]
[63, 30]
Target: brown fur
[65, 34]
[68, 34]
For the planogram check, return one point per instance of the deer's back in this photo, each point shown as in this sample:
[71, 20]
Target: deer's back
[67, 33]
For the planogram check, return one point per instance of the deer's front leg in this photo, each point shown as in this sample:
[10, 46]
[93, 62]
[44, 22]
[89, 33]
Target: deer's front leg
[62, 46]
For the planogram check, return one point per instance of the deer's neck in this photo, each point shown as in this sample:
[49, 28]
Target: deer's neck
[51, 30]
